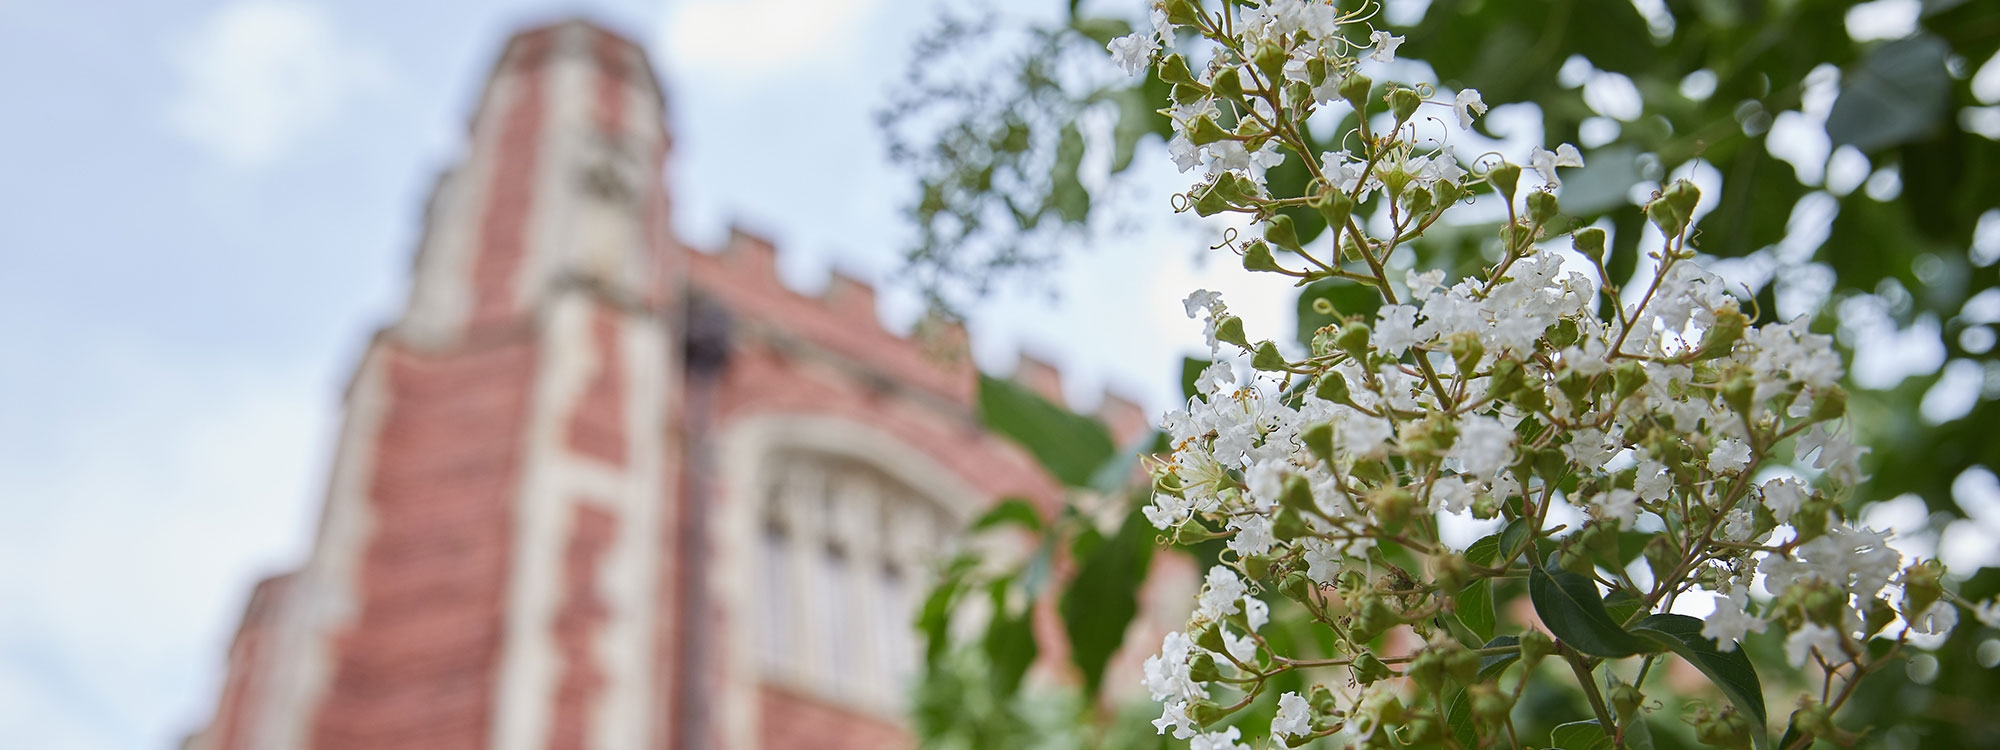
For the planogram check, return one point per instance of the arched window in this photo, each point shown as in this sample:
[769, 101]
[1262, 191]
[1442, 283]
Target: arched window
[841, 553]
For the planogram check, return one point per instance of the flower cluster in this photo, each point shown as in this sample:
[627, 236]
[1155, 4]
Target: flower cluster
[1540, 383]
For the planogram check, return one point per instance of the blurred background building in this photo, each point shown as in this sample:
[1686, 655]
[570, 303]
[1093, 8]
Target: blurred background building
[595, 488]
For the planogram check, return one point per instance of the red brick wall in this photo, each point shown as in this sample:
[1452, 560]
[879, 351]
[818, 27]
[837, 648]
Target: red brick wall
[796, 722]
[417, 667]
[597, 427]
[578, 621]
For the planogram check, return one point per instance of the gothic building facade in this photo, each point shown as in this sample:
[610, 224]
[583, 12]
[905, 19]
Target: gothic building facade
[596, 489]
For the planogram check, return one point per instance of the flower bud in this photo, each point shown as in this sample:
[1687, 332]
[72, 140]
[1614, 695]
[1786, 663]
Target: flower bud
[1683, 195]
[1722, 336]
[1229, 330]
[1354, 88]
[1298, 587]
[1628, 377]
[1188, 93]
[1667, 215]
[1813, 717]
[1257, 257]
[1392, 506]
[1256, 566]
[1506, 378]
[1535, 645]
[1319, 436]
[1267, 358]
[1625, 699]
[1452, 571]
[1204, 131]
[1466, 351]
[1210, 199]
[1922, 586]
[1279, 230]
[1422, 731]
[1740, 392]
[1504, 178]
[1270, 58]
[1182, 12]
[1489, 703]
[1368, 669]
[1541, 206]
[1590, 242]
[1428, 670]
[1828, 404]
[1174, 70]
[1297, 494]
[1201, 668]
[1206, 713]
[1880, 614]
[1353, 339]
[1211, 638]
[1335, 205]
[1372, 617]
[1288, 525]
[1227, 84]
[1421, 201]
[1403, 103]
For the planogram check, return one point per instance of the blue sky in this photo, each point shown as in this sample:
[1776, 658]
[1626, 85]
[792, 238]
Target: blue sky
[206, 209]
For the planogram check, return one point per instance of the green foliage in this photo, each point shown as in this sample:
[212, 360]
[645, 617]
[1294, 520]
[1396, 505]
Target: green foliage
[1731, 671]
[1568, 604]
[1070, 446]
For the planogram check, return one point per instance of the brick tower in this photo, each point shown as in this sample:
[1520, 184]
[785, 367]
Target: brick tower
[598, 490]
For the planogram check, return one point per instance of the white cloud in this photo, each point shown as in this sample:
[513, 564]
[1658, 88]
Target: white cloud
[259, 77]
[750, 39]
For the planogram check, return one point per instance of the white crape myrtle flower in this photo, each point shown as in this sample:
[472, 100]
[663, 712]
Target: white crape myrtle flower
[1987, 612]
[1185, 154]
[1134, 52]
[1620, 504]
[1730, 456]
[1503, 393]
[1451, 495]
[1396, 329]
[1220, 594]
[1166, 673]
[1174, 714]
[1484, 446]
[1466, 105]
[1253, 535]
[1382, 46]
[1730, 621]
[1545, 161]
[1799, 646]
[1294, 717]
[1937, 619]
[1223, 740]
[1784, 496]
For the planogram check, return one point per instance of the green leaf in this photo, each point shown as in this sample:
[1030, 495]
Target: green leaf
[1010, 641]
[1067, 196]
[1731, 672]
[1897, 95]
[1568, 604]
[1482, 552]
[1474, 607]
[934, 619]
[1069, 446]
[1513, 539]
[1011, 511]
[1579, 735]
[1621, 605]
[1101, 600]
[1190, 372]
